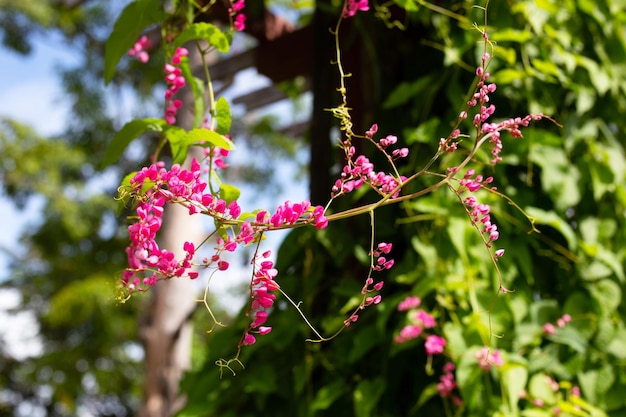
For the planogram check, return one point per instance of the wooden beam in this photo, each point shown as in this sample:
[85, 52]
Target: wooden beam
[276, 59]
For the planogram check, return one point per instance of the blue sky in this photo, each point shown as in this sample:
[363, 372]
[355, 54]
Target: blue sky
[30, 94]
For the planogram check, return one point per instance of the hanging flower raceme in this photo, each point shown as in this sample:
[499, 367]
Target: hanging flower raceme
[155, 186]
[351, 7]
[239, 19]
[140, 49]
[175, 81]
[262, 288]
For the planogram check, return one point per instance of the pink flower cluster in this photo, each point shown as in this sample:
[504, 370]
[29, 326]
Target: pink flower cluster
[487, 357]
[549, 328]
[217, 154]
[155, 186]
[351, 7]
[239, 19]
[144, 254]
[418, 321]
[140, 48]
[485, 111]
[262, 287]
[447, 382]
[175, 81]
[434, 344]
[574, 392]
[361, 171]
[380, 263]
[479, 213]
[289, 213]
[512, 125]
[367, 300]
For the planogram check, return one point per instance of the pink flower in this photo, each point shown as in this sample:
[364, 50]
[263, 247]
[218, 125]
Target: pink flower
[353, 6]
[353, 318]
[248, 340]
[263, 330]
[238, 5]
[427, 319]
[446, 381]
[261, 288]
[549, 328]
[408, 333]
[434, 344]
[487, 358]
[372, 131]
[240, 22]
[409, 303]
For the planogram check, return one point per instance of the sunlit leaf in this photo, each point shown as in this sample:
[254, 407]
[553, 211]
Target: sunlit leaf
[197, 88]
[222, 115]
[134, 18]
[207, 32]
[229, 192]
[131, 131]
[366, 396]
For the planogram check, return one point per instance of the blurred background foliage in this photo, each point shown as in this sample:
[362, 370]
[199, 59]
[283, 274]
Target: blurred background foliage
[563, 58]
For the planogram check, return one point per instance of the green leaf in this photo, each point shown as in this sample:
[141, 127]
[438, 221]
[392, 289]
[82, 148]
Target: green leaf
[131, 131]
[550, 218]
[180, 141]
[210, 138]
[536, 412]
[596, 382]
[425, 133]
[177, 138]
[406, 91]
[197, 88]
[427, 393]
[559, 176]
[595, 270]
[222, 115]
[511, 35]
[455, 341]
[366, 395]
[408, 5]
[263, 380]
[540, 387]
[509, 75]
[328, 394]
[617, 347]
[229, 192]
[608, 294]
[204, 31]
[469, 376]
[514, 377]
[571, 337]
[75, 303]
[134, 18]
[548, 68]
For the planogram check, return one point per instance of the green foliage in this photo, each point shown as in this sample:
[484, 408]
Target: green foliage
[207, 32]
[131, 131]
[135, 17]
[64, 277]
[563, 231]
[198, 90]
